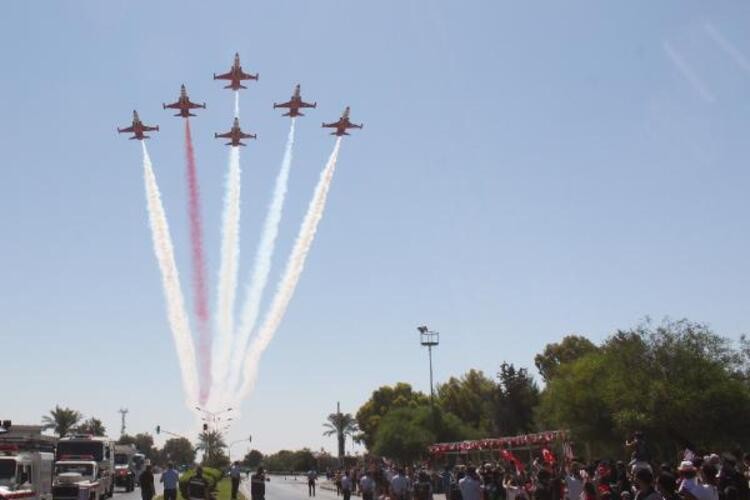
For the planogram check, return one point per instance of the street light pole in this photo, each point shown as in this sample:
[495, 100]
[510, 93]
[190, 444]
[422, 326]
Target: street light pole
[429, 338]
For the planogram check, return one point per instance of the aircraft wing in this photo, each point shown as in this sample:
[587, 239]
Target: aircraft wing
[287, 104]
[247, 136]
[245, 76]
[334, 124]
[224, 76]
[193, 105]
[228, 135]
[124, 130]
[304, 104]
[146, 128]
[174, 105]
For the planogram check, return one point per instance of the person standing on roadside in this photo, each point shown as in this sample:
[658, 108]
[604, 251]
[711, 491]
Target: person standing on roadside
[399, 485]
[148, 490]
[171, 479]
[367, 486]
[346, 485]
[234, 475]
[312, 476]
[470, 487]
[198, 486]
[258, 485]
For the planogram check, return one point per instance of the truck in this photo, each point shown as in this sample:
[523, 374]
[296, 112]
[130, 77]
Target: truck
[25, 472]
[85, 448]
[78, 480]
[125, 466]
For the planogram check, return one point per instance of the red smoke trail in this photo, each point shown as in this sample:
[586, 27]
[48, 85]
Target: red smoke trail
[200, 292]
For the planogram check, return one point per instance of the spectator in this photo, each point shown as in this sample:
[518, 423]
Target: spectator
[234, 475]
[171, 479]
[258, 485]
[148, 490]
[312, 477]
[346, 485]
[367, 486]
[399, 486]
[645, 482]
[469, 485]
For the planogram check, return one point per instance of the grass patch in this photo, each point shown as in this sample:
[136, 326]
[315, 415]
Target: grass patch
[223, 492]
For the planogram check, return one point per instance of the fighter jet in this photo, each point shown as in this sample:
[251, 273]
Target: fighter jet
[294, 104]
[137, 128]
[184, 104]
[236, 135]
[236, 75]
[342, 125]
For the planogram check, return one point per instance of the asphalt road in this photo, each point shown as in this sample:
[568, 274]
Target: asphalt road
[120, 493]
[280, 489]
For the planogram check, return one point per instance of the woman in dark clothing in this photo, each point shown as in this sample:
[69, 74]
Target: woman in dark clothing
[147, 484]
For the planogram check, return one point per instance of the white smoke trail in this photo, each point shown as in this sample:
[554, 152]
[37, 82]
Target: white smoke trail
[227, 291]
[176, 313]
[262, 264]
[288, 282]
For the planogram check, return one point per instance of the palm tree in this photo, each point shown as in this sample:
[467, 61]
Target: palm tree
[92, 426]
[212, 444]
[62, 420]
[341, 424]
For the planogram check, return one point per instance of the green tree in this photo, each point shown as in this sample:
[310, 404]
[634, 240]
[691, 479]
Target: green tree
[61, 420]
[569, 349]
[212, 444]
[471, 398]
[383, 400]
[674, 381]
[126, 439]
[253, 458]
[144, 442]
[405, 433]
[92, 426]
[517, 396]
[342, 425]
[179, 451]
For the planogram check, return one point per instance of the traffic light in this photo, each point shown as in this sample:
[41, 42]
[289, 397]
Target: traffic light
[205, 427]
[158, 429]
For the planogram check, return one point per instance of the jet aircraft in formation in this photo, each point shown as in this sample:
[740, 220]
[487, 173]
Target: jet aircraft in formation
[342, 125]
[295, 104]
[235, 135]
[184, 104]
[137, 128]
[236, 75]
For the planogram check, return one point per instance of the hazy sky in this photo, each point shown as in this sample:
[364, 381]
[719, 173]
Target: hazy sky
[527, 170]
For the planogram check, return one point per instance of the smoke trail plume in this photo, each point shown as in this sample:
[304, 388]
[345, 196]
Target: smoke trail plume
[176, 313]
[262, 264]
[227, 291]
[200, 292]
[292, 272]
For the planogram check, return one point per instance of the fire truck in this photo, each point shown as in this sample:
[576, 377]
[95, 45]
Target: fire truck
[93, 457]
[125, 466]
[25, 471]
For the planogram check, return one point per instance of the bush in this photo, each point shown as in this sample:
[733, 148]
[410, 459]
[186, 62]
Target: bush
[212, 476]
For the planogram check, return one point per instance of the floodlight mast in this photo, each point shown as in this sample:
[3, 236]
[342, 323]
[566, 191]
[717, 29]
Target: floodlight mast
[429, 338]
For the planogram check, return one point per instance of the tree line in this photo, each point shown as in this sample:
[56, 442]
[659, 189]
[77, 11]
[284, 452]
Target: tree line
[678, 382]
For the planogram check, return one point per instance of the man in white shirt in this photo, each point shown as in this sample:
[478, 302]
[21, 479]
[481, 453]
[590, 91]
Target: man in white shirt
[346, 485]
[367, 486]
[399, 486]
[573, 482]
[471, 488]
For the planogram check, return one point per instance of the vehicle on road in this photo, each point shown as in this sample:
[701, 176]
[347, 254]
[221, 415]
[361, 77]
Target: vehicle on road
[25, 473]
[88, 448]
[125, 466]
[78, 480]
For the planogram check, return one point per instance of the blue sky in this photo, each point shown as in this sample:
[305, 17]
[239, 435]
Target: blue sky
[527, 170]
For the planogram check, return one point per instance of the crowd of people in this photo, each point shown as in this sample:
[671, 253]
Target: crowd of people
[544, 477]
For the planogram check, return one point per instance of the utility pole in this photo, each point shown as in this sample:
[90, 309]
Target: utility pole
[429, 338]
[122, 412]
